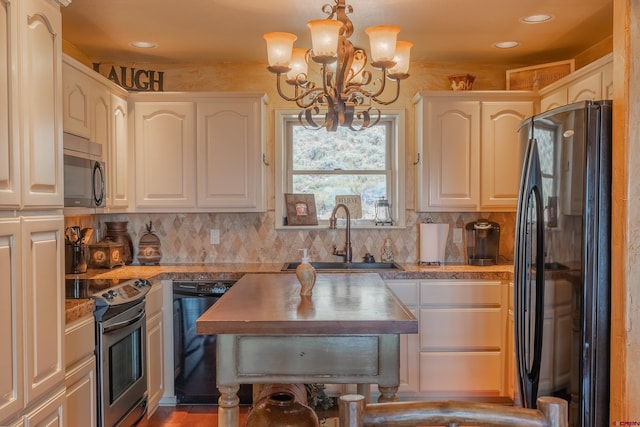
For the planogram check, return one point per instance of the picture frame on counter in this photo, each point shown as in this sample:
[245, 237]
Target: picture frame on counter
[301, 209]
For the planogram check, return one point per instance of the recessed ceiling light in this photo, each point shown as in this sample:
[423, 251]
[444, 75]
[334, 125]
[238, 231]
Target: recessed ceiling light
[536, 19]
[506, 45]
[143, 45]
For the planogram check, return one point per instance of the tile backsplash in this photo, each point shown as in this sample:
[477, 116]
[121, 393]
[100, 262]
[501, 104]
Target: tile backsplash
[253, 237]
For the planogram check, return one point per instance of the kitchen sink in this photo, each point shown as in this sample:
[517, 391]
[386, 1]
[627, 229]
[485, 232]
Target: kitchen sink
[345, 266]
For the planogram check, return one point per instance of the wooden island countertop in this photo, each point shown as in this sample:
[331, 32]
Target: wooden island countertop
[340, 304]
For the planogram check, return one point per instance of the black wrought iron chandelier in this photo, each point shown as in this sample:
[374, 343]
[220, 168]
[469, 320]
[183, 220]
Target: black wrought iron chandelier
[343, 95]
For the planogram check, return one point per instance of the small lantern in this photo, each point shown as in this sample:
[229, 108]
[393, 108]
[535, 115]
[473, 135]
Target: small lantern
[149, 247]
[383, 212]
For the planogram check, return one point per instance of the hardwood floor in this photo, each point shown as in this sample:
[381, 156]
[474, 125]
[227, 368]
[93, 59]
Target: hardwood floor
[188, 416]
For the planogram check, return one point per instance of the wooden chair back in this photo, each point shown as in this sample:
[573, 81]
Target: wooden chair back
[354, 412]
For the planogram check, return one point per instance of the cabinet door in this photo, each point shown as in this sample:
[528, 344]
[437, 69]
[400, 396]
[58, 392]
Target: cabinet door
[407, 291]
[44, 304]
[76, 87]
[118, 155]
[165, 154]
[49, 413]
[555, 99]
[586, 89]
[40, 74]
[500, 146]
[155, 361]
[451, 150]
[81, 394]
[9, 124]
[11, 331]
[229, 154]
[101, 117]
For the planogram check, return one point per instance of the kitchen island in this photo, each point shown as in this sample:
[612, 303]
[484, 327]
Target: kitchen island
[347, 332]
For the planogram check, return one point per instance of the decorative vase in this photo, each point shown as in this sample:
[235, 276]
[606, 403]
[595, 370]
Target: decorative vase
[281, 408]
[117, 232]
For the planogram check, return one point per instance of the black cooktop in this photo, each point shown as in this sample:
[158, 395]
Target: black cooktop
[86, 288]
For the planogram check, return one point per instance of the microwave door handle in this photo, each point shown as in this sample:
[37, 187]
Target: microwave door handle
[99, 174]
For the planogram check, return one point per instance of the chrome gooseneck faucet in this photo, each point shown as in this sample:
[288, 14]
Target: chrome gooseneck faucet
[346, 252]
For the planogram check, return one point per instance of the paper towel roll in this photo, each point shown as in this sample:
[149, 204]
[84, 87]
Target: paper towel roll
[433, 242]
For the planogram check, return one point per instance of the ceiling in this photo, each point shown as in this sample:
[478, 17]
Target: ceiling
[209, 31]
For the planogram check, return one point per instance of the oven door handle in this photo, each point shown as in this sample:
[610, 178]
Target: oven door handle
[120, 325]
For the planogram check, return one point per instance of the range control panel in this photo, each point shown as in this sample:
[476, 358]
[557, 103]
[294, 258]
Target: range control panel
[202, 287]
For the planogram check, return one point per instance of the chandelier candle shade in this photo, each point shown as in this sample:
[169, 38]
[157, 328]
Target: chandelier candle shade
[347, 87]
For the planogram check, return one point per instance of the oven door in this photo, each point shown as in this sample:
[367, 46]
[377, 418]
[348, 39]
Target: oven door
[122, 366]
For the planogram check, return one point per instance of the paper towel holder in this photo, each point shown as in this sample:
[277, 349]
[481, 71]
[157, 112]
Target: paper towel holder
[428, 258]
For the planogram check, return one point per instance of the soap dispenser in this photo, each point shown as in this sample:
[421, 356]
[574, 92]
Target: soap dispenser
[306, 275]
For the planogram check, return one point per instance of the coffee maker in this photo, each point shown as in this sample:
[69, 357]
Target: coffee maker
[483, 238]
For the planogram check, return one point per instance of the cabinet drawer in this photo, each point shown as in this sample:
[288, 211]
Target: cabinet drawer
[79, 340]
[460, 293]
[468, 373]
[406, 291]
[471, 329]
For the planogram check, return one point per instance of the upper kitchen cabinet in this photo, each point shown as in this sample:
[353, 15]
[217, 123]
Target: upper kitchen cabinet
[198, 151]
[165, 153]
[469, 150]
[40, 104]
[118, 155]
[96, 108]
[591, 82]
[229, 146]
[9, 95]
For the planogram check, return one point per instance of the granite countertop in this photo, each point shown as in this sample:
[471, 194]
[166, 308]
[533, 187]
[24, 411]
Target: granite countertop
[233, 271]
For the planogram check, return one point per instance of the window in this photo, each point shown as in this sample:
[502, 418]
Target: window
[345, 162]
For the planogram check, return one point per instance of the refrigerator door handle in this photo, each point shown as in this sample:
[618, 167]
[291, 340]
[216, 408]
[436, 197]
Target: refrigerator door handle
[529, 278]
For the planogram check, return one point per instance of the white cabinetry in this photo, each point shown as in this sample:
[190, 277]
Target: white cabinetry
[469, 146]
[229, 153]
[39, 78]
[32, 298]
[155, 347]
[80, 376]
[43, 264]
[118, 158]
[461, 348]
[165, 154]
[591, 82]
[96, 108]
[198, 151]
[11, 320]
[9, 106]
[407, 291]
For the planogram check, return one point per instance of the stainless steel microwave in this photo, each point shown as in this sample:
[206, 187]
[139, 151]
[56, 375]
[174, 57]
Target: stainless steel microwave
[84, 173]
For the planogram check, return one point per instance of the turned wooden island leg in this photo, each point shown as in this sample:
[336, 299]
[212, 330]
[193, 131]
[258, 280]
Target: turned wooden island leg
[228, 409]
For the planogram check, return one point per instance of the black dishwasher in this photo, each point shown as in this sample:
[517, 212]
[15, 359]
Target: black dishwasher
[195, 355]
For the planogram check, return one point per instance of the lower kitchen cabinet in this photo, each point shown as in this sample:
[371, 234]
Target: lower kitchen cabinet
[49, 413]
[460, 350]
[155, 347]
[80, 375]
[31, 316]
[407, 291]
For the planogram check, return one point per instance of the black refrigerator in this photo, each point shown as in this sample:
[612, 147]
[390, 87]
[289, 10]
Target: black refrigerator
[562, 267]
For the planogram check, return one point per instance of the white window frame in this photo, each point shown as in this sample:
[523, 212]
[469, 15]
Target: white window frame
[396, 161]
